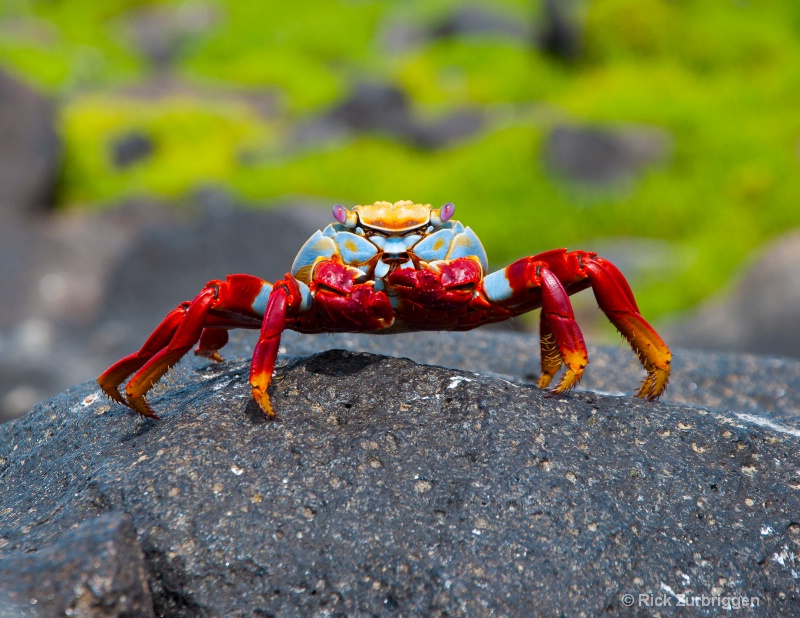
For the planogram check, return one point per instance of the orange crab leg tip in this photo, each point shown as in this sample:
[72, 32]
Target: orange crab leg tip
[112, 377]
[653, 353]
[211, 355]
[553, 357]
[110, 389]
[151, 373]
[140, 405]
[260, 394]
[575, 362]
[260, 381]
[655, 383]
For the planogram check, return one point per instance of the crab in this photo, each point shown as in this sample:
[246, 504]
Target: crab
[388, 268]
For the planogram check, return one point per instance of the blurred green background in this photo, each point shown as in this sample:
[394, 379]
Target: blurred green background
[220, 93]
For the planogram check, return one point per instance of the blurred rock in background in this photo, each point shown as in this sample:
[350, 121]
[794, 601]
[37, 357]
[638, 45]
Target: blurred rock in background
[30, 151]
[472, 21]
[559, 33]
[461, 22]
[385, 109]
[760, 313]
[604, 157]
[160, 32]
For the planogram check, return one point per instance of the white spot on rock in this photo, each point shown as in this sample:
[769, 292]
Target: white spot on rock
[456, 380]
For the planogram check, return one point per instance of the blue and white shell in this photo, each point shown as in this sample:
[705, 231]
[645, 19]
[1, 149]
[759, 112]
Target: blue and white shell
[372, 254]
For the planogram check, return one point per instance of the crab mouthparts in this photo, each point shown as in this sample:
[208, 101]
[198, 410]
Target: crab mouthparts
[392, 262]
[395, 259]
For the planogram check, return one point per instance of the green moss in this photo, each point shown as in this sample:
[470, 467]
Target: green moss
[459, 72]
[195, 144]
[300, 50]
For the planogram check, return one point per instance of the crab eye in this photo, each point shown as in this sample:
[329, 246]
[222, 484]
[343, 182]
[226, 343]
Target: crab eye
[448, 210]
[340, 213]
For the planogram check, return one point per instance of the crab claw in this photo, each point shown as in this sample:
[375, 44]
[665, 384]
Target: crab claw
[443, 285]
[347, 305]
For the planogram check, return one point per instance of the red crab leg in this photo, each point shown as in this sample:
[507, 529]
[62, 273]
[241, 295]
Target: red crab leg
[266, 350]
[579, 270]
[115, 375]
[184, 326]
[529, 283]
[518, 289]
[338, 301]
[211, 340]
[615, 298]
[561, 338]
[185, 337]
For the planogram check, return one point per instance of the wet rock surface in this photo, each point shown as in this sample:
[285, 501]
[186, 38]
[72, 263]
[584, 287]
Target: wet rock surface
[767, 387]
[391, 488]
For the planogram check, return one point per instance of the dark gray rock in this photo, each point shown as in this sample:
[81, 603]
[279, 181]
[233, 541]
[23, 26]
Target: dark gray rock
[161, 33]
[131, 148]
[401, 35]
[766, 388]
[559, 33]
[30, 151]
[759, 313]
[460, 124]
[94, 570]
[383, 108]
[598, 156]
[474, 21]
[403, 489]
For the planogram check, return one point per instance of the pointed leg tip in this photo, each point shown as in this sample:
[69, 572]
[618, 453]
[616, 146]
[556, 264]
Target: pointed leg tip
[212, 356]
[142, 407]
[654, 385]
[263, 401]
[111, 390]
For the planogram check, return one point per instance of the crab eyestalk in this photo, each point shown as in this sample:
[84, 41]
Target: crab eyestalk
[443, 214]
[346, 217]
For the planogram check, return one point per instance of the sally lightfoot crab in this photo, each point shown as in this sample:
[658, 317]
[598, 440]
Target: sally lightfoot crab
[388, 268]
